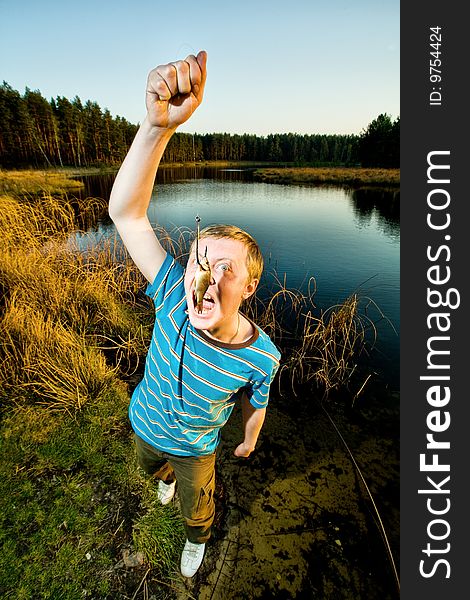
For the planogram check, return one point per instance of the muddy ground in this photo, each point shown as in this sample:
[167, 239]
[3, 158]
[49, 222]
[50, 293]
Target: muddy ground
[294, 520]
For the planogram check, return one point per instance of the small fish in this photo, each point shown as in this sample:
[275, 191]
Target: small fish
[203, 276]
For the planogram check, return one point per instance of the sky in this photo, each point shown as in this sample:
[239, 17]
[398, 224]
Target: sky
[300, 66]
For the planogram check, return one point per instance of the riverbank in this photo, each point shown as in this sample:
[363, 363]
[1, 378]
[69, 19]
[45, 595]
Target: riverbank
[35, 181]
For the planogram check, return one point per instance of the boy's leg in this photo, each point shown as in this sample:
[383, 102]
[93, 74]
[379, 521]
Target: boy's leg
[153, 462]
[196, 484]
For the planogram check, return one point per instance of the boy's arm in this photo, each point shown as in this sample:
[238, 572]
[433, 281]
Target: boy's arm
[174, 91]
[253, 419]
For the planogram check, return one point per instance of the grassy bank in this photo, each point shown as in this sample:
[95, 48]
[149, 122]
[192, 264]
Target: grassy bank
[72, 505]
[59, 180]
[37, 181]
[77, 518]
[221, 164]
[333, 175]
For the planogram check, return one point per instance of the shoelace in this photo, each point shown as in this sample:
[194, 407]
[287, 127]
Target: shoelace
[193, 549]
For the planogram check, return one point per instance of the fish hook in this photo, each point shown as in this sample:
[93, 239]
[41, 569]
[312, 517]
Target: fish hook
[198, 220]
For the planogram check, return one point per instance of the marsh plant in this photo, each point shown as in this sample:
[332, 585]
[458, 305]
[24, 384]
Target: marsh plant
[320, 347]
[74, 320]
[330, 347]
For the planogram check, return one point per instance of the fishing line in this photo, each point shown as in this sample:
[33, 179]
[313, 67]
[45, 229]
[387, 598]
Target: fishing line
[371, 498]
[198, 220]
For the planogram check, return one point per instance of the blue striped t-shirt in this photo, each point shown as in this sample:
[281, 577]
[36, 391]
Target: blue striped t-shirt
[191, 382]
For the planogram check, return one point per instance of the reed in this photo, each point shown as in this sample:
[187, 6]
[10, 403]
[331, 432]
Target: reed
[50, 362]
[36, 181]
[70, 319]
[333, 343]
[332, 175]
[318, 346]
[276, 306]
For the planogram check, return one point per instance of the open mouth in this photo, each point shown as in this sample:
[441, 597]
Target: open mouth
[204, 306]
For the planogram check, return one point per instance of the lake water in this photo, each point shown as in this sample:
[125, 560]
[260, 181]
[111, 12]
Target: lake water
[347, 240]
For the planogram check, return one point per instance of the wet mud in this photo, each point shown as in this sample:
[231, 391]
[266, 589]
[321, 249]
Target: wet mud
[294, 520]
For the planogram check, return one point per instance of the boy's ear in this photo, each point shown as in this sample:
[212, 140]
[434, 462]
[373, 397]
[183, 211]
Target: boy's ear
[250, 288]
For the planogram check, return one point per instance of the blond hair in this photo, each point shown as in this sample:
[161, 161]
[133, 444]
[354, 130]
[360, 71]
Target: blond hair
[254, 258]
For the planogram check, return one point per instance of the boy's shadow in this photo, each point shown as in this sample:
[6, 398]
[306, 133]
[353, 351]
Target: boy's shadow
[263, 502]
[284, 452]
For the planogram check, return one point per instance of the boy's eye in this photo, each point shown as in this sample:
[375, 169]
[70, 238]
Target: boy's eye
[223, 267]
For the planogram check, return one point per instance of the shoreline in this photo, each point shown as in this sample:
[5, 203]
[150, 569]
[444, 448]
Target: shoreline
[283, 173]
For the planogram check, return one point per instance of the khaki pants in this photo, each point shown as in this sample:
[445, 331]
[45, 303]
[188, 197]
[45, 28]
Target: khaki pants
[195, 476]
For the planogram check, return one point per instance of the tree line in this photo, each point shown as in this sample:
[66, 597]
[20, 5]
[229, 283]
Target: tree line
[61, 132]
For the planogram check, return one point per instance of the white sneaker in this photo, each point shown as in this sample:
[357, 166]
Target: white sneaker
[166, 491]
[191, 558]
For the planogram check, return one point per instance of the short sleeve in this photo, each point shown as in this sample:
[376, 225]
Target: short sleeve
[169, 282]
[258, 392]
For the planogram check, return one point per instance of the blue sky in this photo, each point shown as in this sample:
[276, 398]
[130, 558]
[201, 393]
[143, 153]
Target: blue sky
[304, 66]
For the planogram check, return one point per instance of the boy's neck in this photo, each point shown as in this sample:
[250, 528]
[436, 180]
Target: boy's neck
[227, 334]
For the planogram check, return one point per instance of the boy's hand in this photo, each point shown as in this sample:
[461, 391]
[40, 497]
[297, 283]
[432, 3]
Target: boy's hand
[243, 450]
[175, 90]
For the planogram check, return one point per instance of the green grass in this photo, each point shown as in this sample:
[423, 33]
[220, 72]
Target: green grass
[160, 535]
[71, 498]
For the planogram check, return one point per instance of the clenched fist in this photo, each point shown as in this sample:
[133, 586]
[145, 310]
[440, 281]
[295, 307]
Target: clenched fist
[175, 90]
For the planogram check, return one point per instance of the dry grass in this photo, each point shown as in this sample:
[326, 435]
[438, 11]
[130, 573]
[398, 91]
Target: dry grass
[34, 182]
[333, 175]
[330, 348]
[318, 346]
[69, 319]
[55, 364]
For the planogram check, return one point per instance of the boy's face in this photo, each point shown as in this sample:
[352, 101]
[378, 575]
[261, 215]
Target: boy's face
[229, 285]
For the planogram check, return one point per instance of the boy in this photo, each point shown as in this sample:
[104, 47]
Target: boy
[200, 362]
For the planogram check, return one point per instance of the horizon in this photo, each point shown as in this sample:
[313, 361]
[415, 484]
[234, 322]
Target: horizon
[103, 109]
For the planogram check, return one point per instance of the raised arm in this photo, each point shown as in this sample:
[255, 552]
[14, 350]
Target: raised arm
[174, 91]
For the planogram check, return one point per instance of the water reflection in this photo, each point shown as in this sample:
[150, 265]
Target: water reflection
[380, 204]
[180, 174]
[96, 186]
